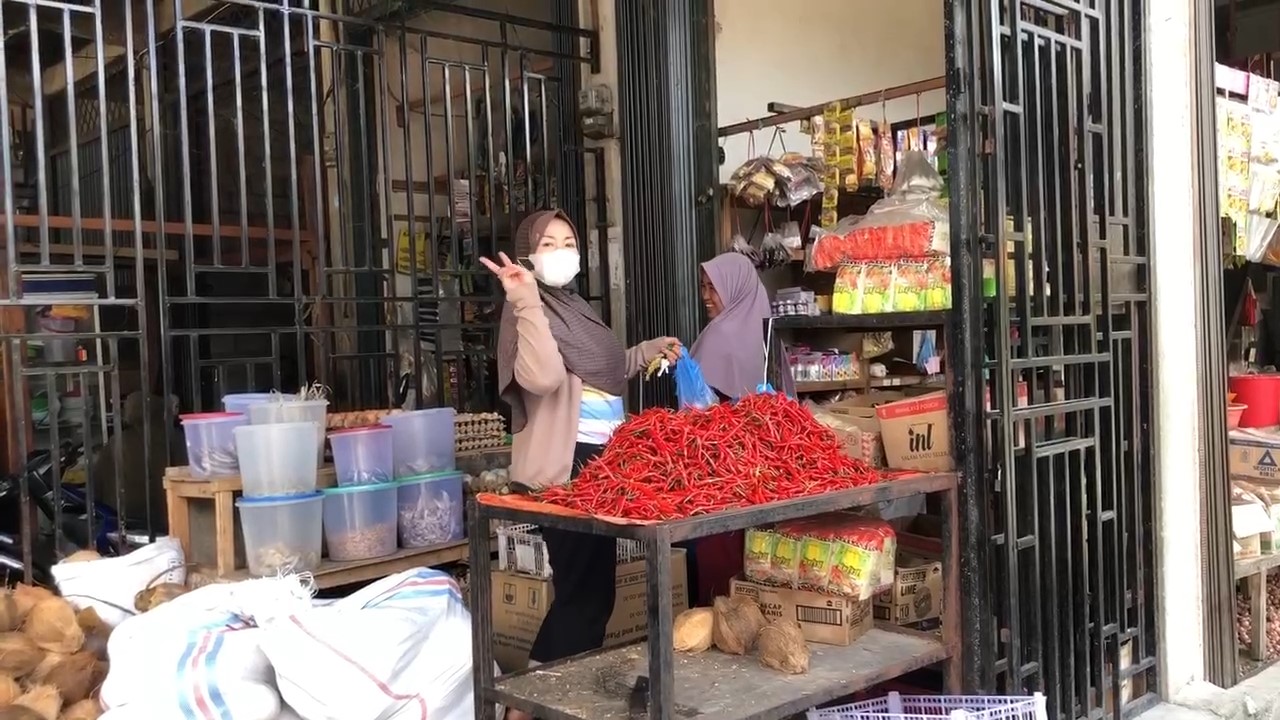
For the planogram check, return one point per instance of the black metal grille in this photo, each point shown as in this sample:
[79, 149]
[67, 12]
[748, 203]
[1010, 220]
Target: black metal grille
[1049, 200]
[265, 195]
[667, 111]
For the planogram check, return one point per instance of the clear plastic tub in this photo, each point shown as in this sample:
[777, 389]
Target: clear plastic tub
[423, 441]
[281, 534]
[211, 443]
[360, 521]
[277, 459]
[293, 410]
[363, 455]
[429, 509]
[240, 402]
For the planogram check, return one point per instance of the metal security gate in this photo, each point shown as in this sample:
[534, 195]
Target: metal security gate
[1053, 413]
[212, 197]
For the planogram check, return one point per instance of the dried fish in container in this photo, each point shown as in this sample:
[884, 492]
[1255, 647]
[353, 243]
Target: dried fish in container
[281, 559]
[430, 511]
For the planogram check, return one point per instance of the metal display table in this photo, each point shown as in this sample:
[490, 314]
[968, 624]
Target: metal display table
[600, 685]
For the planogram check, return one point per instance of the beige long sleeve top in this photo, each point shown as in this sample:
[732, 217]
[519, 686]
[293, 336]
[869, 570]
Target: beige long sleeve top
[542, 453]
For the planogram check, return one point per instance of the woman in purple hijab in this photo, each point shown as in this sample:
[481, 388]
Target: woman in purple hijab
[730, 350]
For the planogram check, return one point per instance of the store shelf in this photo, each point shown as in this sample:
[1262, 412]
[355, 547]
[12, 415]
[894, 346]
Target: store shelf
[738, 519]
[602, 684]
[810, 386]
[335, 574]
[716, 686]
[876, 321]
[1255, 565]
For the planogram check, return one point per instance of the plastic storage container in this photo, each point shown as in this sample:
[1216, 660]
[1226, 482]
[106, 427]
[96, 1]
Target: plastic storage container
[363, 455]
[277, 459]
[360, 521]
[281, 534]
[211, 443]
[1235, 411]
[240, 402]
[294, 411]
[423, 441]
[429, 509]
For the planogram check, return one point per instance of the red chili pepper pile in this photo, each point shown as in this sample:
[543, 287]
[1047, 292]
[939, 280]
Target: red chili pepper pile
[663, 464]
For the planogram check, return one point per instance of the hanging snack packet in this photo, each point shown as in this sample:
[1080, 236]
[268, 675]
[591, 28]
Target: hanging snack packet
[866, 154]
[884, 174]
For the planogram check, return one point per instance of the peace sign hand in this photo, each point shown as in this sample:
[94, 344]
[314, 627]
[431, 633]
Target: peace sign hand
[512, 275]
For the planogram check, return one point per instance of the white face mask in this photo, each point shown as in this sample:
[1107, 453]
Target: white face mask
[556, 268]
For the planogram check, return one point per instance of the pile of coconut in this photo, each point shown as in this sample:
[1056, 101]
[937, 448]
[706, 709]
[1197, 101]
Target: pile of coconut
[52, 657]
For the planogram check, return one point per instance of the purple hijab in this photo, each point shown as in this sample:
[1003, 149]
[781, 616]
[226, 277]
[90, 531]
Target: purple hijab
[731, 348]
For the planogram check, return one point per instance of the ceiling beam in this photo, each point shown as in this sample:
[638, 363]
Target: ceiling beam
[114, 32]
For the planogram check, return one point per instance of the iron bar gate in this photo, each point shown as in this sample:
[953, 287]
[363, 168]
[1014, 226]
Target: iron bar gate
[211, 197]
[1053, 401]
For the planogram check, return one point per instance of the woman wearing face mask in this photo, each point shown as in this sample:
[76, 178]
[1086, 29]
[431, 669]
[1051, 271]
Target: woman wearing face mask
[730, 351]
[563, 372]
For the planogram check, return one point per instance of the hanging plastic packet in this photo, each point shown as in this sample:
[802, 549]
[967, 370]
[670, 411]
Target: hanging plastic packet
[692, 390]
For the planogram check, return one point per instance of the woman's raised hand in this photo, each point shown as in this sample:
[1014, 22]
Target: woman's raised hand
[511, 274]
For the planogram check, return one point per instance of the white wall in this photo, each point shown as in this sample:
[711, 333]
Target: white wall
[845, 47]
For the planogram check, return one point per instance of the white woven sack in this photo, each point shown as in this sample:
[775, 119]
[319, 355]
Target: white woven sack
[198, 656]
[399, 649]
[108, 585]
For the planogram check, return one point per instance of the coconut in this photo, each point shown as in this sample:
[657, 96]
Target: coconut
[781, 646]
[737, 623]
[46, 666]
[9, 619]
[9, 690]
[44, 699]
[75, 676]
[52, 626]
[18, 654]
[83, 710]
[691, 631]
[25, 597]
[20, 712]
[82, 556]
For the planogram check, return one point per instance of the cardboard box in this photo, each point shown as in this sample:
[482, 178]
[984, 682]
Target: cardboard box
[917, 433]
[828, 619]
[916, 593]
[520, 602]
[1254, 456]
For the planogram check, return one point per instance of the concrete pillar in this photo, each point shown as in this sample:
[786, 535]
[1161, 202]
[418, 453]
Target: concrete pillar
[1177, 431]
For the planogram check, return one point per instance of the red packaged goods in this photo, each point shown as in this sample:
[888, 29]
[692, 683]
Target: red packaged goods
[911, 222]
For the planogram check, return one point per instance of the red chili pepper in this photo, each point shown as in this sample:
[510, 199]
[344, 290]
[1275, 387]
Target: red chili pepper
[663, 464]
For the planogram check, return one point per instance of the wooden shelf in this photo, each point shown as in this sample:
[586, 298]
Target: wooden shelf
[876, 321]
[717, 686]
[336, 574]
[1260, 564]
[811, 386]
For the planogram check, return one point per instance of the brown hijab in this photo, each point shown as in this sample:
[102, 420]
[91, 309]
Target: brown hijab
[589, 348]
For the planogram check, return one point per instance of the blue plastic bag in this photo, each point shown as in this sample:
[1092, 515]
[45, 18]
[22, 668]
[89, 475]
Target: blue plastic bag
[692, 390]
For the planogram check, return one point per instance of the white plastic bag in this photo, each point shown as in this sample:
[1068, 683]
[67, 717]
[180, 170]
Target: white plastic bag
[198, 655]
[108, 585]
[399, 649]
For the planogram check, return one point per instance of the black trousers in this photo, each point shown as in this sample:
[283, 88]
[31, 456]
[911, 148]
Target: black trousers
[584, 579]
